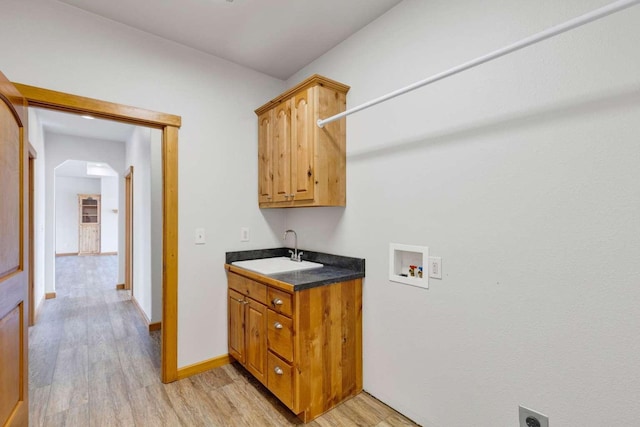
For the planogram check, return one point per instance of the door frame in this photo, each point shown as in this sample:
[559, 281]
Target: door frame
[169, 124]
[128, 230]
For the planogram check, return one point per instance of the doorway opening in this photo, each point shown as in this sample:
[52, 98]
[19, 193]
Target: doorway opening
[168, 126]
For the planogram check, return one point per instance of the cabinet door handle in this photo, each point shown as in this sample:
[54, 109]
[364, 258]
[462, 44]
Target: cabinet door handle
[239, 300]
[278, 370]
[292, 195]
[276, 301]
[277, 325]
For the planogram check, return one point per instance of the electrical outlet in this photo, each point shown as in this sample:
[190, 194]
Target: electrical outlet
[530, 418]
[200, 237]
[244, 234]
[435, 267]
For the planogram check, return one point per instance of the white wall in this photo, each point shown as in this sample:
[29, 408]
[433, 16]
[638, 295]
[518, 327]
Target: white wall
[66, 202]
[144, 154]
[139, 157]
[109, 202]
[36, 138]
[523, 176]
[58, 149]
[155, 156]
[217, 148]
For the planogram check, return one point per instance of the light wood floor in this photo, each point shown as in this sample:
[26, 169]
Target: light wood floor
[94, 363]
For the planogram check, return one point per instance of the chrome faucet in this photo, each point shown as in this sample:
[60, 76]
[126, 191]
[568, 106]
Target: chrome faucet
[295, 255]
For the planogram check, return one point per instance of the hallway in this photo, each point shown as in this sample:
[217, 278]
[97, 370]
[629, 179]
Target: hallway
[94, 363]
[89, 348]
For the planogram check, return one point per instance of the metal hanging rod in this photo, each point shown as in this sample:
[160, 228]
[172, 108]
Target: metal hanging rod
[528, 41]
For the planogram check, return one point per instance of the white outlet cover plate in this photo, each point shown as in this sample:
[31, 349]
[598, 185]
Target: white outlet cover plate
[526, 412]
[435, 267]
[244, 234]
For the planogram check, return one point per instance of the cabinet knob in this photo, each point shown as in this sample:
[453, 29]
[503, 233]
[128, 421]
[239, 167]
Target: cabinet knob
[277, 325]
[239, 300]
[278, 370]
[276, 301]
[292, 195]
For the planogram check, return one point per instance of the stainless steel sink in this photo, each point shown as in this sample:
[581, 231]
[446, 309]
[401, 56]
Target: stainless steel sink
[276, 265]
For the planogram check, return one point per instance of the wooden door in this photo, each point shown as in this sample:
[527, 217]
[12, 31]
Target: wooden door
[236, 326]
[265, 157]
[14, 385]
[281, 152]
[302, 146]
[256, 340]
[89, 224]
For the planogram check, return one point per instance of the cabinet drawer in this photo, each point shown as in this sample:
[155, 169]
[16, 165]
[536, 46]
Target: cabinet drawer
[280, 379]
[280, 335]
[254, 290]
[280, 301]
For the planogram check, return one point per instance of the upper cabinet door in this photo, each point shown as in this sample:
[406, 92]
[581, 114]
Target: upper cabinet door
[265, 153]
[282, 152]
[307, 166]
[302, 146]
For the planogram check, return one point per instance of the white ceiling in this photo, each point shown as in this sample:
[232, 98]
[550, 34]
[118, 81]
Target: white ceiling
[275, 37]
[73, 124]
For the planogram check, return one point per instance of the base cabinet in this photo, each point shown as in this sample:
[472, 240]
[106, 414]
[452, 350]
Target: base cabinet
[304, 346]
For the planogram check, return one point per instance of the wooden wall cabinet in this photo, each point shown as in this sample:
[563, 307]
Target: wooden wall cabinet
[300, 164]
[88, 224]
[304, 346]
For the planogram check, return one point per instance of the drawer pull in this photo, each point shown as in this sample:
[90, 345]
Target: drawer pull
[276, 301]
[278, 370]
[277, 325]
[239, 300]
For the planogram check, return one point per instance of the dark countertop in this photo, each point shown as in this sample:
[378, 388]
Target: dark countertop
[336, 268]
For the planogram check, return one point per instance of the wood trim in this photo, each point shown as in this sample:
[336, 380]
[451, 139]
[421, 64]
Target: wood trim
[170, 254]
[206, 365]
[120, 286]
[155, 326]
[50, 295]
[15, 100]
[68, 254]
[313, 80]
[45, 98]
